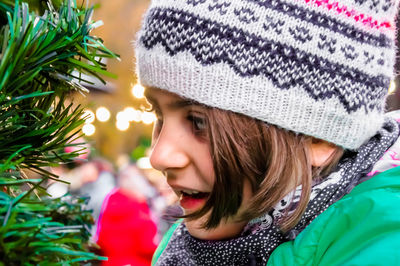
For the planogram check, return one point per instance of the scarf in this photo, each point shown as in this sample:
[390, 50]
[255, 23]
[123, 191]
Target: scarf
[262, 235]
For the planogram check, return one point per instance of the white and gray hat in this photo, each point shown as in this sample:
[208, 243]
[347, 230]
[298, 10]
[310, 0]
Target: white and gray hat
[317, 67]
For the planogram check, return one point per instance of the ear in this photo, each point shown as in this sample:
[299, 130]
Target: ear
[321, 151]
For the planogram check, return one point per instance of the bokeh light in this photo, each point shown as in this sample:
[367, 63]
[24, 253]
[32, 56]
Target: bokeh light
[148, 118]
[137, 116]
[130, 113]
[102, 114]
[122, 116]
[122, 124]
[144, 163]
[138, 91]
[88, 129]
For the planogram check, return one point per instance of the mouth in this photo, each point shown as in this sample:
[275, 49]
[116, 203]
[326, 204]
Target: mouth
[192, 199]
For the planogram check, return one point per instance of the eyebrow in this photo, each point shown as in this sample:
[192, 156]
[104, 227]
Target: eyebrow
[172, 105]
[179, 104]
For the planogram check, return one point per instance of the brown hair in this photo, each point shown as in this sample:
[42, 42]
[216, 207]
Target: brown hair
[274, 160]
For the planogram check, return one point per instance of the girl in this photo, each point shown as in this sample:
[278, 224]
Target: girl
[270, 128]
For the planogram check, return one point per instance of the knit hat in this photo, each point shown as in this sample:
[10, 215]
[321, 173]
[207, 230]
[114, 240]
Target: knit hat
[317, 67]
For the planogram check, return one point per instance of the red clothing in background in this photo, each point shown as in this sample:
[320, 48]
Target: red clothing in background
[125, 230]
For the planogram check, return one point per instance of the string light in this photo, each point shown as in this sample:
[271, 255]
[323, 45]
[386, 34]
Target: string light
[122, 121]
[138, 91]
[137, 116]
[102, 114]
[144, 163]
[122, 116]
[88, 129]
[130, 113]
[122, 124]
[148, 118]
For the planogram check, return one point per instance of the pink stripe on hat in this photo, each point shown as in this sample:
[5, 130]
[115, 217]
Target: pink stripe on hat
[366, 19]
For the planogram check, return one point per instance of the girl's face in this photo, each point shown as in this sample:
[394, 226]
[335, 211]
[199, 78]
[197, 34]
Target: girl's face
[180, 149]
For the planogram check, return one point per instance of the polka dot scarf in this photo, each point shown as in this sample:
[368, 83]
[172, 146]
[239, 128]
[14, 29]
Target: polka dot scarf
[261, 236]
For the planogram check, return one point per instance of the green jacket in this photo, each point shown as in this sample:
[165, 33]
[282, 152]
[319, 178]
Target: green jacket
[363, 228]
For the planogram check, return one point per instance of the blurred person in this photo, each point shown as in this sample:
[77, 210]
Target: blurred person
[98, 180]
[95, 179]
[127, 229]
[132, 179]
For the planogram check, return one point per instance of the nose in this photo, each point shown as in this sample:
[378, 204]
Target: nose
[168, 150]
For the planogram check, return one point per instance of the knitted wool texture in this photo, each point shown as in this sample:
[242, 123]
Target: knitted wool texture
[318, 67]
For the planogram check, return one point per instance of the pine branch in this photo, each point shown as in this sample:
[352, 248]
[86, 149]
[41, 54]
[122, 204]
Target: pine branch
[39, 52]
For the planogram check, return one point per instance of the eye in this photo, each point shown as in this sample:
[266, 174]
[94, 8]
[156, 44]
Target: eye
[198, 124]
[159, 121]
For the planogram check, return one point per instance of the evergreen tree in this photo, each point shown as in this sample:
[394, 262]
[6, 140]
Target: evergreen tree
[44, 48]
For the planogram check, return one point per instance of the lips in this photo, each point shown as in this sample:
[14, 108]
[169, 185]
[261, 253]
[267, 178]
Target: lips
[191, 200]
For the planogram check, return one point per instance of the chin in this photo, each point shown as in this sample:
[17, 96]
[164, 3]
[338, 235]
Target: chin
[225, 230]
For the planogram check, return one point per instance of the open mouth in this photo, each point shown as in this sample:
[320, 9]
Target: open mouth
[193, 199]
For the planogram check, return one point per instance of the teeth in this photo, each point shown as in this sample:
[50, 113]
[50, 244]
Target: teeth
[190, 192]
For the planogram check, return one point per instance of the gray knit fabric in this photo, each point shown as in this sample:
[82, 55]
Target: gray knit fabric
[318, 67]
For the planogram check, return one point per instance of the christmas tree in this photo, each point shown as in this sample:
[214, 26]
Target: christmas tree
[45, 46]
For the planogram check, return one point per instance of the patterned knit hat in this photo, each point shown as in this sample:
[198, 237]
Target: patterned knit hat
[318, 67]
